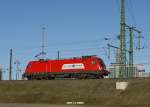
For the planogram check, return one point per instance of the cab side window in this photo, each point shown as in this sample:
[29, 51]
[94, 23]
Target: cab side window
[93, 62]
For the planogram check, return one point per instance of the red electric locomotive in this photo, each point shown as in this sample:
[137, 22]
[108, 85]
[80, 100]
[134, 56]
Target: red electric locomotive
[82, 67]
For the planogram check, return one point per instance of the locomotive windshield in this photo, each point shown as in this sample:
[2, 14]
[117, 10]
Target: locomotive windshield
[102, 63]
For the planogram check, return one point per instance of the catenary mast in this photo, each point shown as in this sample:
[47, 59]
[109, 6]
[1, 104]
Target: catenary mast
[122, 70]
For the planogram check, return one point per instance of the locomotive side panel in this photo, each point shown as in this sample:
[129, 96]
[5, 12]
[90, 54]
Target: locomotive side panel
[79, 66]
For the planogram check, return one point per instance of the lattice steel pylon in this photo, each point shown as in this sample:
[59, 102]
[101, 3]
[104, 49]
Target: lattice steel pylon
[122, 70]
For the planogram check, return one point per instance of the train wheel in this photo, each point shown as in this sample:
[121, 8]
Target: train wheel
[29, 78]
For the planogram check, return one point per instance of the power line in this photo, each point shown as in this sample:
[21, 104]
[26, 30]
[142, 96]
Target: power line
[80, 49]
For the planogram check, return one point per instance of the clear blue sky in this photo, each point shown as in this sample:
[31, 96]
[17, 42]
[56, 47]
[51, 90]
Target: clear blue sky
[75, 27]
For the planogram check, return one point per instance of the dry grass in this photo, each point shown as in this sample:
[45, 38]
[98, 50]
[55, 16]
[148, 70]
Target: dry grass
[92, 92]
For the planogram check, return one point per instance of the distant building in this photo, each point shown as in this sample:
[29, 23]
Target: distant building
[114, 71]
[138, 71]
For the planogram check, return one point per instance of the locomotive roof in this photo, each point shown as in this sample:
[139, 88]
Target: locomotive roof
[82, 57]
